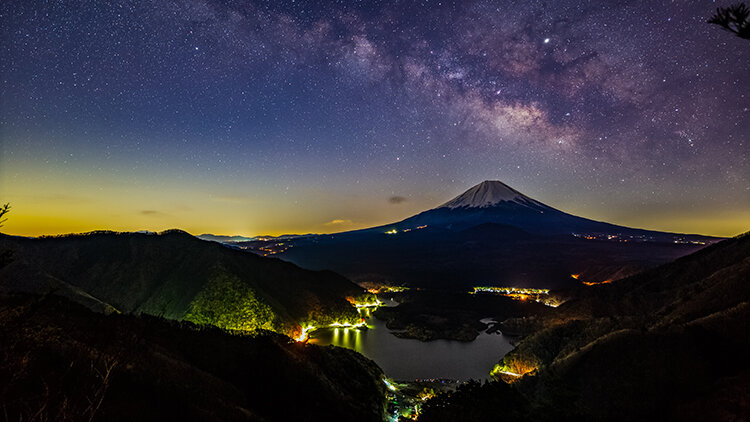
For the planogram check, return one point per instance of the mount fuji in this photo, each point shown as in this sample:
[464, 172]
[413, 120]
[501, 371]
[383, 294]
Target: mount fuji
[490, 234]
[495, 202]
[490, 193]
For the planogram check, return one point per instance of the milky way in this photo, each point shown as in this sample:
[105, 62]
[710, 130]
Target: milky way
[310, 116]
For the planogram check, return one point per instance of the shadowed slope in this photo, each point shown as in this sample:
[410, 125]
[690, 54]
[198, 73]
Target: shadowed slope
[61, 361]
[666, 344]
[165, 274]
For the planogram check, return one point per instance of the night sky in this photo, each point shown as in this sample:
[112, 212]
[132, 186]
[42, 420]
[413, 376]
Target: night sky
[250, 118]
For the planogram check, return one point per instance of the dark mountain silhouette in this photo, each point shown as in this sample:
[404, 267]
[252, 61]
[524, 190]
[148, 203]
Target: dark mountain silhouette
[666, 344]
[493, 201]
[224, 239]
[177, 276]
[491, 234]
[61, 361]
[496, 202]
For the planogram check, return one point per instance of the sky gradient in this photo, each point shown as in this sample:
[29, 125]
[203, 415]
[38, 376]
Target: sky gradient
[249, 118]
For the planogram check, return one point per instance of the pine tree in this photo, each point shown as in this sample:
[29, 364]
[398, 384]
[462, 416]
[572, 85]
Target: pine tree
[733, 19]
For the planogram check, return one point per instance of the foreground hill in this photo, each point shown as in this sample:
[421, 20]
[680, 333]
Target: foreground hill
[61, 361]
[491, 234]
[177, 276]
[666, 344]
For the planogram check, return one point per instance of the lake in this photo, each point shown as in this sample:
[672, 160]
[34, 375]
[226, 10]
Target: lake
[409, 359]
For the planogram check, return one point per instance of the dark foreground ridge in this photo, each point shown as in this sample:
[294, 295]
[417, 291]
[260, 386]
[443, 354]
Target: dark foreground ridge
[61, 361]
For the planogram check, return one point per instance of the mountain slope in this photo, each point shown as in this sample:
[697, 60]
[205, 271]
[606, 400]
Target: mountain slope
[667, 344]
[176, 276]
[64, 362]
[460, 244]
[493, 201]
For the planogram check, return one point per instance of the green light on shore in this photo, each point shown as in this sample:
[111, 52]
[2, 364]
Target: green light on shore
[370, 304]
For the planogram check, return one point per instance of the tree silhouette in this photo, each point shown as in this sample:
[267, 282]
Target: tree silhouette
[733, 19]
[5, 254]
[4, 210]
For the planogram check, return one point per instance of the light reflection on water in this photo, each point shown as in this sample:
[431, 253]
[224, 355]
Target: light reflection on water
[406, 359]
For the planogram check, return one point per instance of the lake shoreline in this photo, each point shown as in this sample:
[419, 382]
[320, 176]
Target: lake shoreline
[411, 359]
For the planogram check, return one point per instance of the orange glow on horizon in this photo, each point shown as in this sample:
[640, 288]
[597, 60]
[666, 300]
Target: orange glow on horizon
[50, 200]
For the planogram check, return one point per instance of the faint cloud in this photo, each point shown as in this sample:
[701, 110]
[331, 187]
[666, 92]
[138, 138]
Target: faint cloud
[337, 222]
[396, 199]
[150, 212]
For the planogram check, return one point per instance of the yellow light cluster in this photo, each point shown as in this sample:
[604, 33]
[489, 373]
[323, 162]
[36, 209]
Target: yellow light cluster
[305, 333]
[388, 289]
[395, 231]
[510, 290]
[347, 325]
[369, 305]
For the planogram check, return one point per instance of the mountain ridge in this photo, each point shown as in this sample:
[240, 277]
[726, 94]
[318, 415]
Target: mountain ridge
[176, 275]
[664, 344]
[495, 201]
[59, 358]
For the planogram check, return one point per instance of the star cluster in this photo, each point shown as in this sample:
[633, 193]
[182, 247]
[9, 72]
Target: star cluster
[258, 117]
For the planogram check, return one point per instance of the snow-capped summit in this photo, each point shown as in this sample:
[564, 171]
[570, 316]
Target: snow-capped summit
[487, 194]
